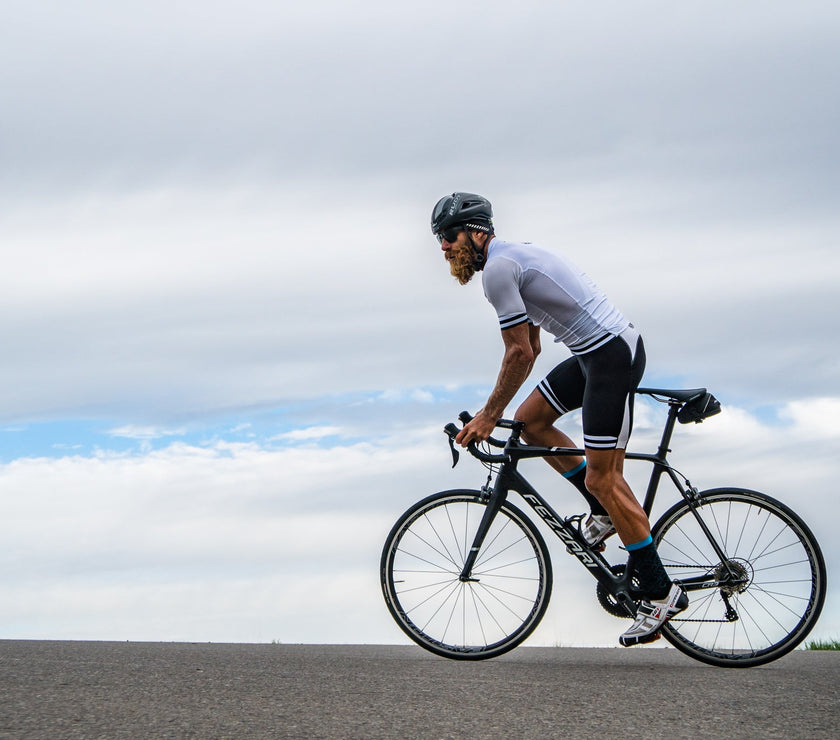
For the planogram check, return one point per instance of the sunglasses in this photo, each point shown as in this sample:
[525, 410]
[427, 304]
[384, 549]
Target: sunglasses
[450, 234]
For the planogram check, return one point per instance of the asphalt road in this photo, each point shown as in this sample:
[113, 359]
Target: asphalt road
[172, 690]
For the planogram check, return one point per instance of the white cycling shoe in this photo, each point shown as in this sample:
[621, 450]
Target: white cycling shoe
[652, 615]
[597, 528]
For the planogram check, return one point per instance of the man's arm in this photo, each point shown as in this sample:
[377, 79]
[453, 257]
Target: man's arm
[534, 336]
[522, 345]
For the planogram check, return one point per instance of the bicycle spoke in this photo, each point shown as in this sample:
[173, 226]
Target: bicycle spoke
[463, 555]
[456, 593]
[487, 548]
[453, 591]
[434, 549]
[425, 586]
[477, 597]
[494, 571]
[690, 540]
[482, 561]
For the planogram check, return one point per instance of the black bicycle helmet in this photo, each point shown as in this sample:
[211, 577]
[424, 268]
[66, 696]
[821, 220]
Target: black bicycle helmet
[463, 209]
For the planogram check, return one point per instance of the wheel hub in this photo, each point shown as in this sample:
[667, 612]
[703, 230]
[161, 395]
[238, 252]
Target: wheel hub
[735, 576]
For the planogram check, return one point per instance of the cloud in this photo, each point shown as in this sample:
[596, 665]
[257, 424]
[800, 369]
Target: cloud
[160, 306]
[417, 395]
[569, 89]
[184, 245]
[309, 434]
[242, 542]
[145, 433]
[216, 216]
[819, 415]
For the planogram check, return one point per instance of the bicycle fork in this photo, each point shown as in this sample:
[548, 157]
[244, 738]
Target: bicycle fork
[496, 498]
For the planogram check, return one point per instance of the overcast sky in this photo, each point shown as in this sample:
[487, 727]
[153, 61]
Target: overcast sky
[230, 341]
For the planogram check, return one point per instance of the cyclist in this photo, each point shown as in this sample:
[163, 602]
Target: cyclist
[531, 288]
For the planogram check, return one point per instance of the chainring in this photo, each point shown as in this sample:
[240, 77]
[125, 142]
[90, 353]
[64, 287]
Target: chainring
[608, 601]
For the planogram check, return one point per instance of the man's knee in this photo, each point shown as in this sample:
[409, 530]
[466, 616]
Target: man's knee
[538, 419]
[532, 407]
[598, 482]
[603, 483]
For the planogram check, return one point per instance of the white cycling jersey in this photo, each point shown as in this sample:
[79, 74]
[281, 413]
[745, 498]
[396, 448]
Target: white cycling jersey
[525, 282]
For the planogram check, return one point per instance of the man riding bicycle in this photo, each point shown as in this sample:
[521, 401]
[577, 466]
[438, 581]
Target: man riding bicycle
[531, 288]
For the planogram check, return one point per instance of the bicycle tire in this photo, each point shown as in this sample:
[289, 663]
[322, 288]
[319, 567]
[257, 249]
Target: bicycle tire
[781, 569]
[420, 570]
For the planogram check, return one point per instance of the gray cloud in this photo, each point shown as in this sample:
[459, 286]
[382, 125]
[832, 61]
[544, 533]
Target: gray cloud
[216, 205]
[209, 542]
[160, 305]
[539, 90]
[221, 209]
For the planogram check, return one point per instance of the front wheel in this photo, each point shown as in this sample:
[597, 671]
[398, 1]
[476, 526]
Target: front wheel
[496, 608]
[756, 598]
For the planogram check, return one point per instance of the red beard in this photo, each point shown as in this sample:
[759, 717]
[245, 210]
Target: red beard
[462, 266]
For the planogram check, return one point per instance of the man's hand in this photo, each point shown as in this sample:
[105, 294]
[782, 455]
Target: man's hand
[478, 429]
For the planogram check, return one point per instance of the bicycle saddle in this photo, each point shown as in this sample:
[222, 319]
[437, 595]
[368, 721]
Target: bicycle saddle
[682, 396]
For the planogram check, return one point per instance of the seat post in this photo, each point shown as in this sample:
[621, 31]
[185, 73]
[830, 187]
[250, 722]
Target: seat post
[668, 431]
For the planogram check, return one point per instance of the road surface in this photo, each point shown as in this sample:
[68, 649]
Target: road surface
[174, 690]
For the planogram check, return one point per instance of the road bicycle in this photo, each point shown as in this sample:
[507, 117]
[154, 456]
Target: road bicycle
[467, 575]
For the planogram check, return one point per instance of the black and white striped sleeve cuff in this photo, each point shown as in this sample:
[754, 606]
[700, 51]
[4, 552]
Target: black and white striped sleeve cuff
[508, 322]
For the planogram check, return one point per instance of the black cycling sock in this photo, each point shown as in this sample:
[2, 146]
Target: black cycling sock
[577, 478]
[644, 563]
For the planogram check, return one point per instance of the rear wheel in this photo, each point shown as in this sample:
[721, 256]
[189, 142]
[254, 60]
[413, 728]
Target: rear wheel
[758, 601]
[485, 616]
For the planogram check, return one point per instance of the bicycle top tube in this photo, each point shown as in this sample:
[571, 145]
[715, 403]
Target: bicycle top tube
[515, 450]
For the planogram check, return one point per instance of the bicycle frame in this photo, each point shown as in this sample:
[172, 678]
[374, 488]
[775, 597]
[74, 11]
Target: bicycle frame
[509, 479]
[467, 575]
